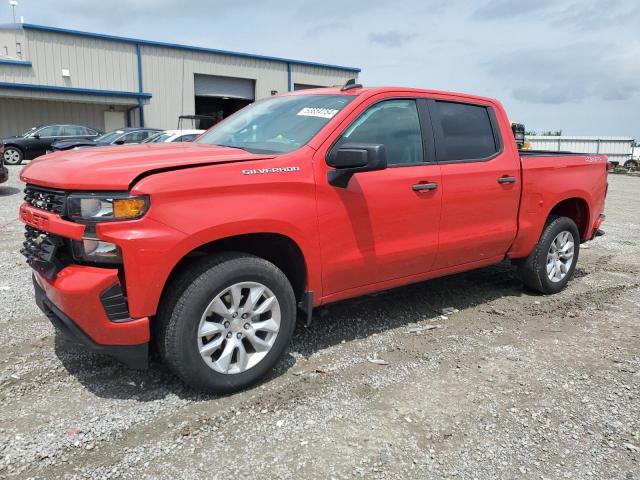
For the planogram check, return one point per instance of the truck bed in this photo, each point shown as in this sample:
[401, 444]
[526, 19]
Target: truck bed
[547, 153]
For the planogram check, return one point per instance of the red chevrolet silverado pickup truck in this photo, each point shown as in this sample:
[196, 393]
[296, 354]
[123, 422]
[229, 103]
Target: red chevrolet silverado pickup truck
[209, 249]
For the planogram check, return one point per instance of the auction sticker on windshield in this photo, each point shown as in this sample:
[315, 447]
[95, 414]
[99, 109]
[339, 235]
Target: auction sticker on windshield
[317, 112]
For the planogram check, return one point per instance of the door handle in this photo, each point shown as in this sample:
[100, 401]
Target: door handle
[507, 180]
[424, 186]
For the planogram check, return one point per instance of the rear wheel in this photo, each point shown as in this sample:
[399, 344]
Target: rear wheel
[552, 262]
[631, 165]
[13, 156]
[227, 322]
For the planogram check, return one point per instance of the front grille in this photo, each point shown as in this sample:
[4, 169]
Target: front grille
[41, 250]
[115, 304]
[45, 199]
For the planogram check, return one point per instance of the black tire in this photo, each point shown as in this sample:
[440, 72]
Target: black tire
[13, 155]
[631, 165]
[187, 298]
[533, 270]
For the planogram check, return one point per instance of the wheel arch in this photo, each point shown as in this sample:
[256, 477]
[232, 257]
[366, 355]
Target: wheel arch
[279, 249]
[577, 209]
[13, 145]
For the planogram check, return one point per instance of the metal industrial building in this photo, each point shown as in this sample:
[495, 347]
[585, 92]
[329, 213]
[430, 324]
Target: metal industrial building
[55, 75]
[618, 149]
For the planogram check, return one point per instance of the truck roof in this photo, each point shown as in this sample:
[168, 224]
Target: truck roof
[385, 89]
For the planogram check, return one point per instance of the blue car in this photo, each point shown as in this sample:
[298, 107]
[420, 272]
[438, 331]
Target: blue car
[122, 136]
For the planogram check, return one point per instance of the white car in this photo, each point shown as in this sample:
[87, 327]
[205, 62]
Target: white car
[174, 136]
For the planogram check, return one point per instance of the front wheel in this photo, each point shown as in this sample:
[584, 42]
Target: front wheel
[13, 156]
[226, 323]
[551, 264]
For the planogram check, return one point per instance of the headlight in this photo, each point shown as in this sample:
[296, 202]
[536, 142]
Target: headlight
[106, 207]
[90, 250]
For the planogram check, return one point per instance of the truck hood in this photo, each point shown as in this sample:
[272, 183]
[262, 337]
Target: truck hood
[116, 168]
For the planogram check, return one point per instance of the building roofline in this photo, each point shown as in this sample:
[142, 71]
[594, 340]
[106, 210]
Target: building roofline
[74, 90]
[152, 43]
[16, 62]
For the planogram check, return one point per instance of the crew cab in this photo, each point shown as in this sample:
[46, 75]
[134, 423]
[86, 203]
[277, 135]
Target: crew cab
[211, 248]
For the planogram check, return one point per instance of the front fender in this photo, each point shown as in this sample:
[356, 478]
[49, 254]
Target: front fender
[193, 207]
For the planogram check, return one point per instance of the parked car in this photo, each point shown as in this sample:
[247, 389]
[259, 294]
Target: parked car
[117, 137]
[4, 172]
[169, 136]
[296, 201]
[37, 140]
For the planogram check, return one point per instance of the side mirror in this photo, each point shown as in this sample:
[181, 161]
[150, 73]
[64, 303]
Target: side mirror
[119, 142]
[350, 158]
[36, 136]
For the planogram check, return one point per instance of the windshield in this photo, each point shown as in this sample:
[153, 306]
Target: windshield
[29, 132]
[158, 138]
[109, 137]
[276, 125]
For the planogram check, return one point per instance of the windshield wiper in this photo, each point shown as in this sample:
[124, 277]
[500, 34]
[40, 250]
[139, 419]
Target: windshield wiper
[231, 146]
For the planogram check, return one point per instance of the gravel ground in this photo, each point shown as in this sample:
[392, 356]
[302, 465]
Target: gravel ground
[504, 384]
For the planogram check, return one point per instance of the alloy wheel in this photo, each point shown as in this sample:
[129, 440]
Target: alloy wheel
[12, 156]
[560, 256]
[239, 327]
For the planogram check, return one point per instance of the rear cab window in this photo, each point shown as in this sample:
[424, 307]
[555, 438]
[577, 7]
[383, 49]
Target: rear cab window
[464, 132]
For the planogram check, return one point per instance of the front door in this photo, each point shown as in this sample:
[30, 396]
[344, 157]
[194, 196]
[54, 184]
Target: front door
[384, 224]
[45, 137]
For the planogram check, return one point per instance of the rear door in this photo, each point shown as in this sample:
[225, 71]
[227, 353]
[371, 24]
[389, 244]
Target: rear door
[480, 183]
[383, 225]
[75, 131]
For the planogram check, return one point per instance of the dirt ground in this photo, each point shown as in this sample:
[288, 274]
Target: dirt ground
[509, 385]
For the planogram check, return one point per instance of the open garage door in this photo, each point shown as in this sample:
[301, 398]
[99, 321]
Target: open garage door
[219, 97]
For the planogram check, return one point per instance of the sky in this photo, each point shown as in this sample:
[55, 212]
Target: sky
[570, 65]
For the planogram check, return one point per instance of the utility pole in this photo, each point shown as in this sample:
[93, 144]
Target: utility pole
[14, 4]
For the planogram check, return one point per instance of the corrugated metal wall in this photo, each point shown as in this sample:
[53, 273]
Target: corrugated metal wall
[326, 77]
[9, 37]
[617, 148]
[93, 63]
[19, 115]
[167, 73]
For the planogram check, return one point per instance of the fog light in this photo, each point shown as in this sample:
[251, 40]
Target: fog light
[89, 250]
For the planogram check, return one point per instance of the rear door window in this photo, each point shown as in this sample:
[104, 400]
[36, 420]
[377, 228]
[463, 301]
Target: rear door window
[74, 131]
[464, 132]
